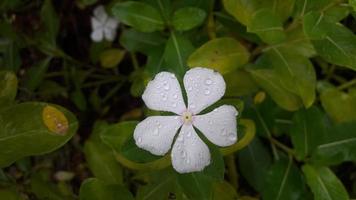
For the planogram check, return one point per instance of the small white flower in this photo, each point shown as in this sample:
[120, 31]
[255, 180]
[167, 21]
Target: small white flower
[103, 26]
[156, 133]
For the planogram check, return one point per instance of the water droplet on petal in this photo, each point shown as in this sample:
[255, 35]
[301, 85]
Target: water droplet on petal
[224, 132]
[189, 134]
[139, 140]
[173, 76]
[187, 160]
[210, 122]
[175, 96]
[192, 106]
[190, 88]
[208, 81]
[232, 137]
[183, 154]
[207, 92]
[176, 117]
[166, 87]
[174, 105]
[180, 139]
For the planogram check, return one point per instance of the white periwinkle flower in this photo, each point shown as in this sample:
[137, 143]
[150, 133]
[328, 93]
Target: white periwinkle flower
[103, 25]
[156, 133]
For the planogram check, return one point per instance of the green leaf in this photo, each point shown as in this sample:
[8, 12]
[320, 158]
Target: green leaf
[100, 158]
[95, 189]
[10, 194]
[353, 4]
[176, 53]
[296, 74]
[221, 54]
[120, 138]
[36, 73]
[196, 185]
[136, 41]
[224, 191]
[340, 106]
[270, 81]
[50, 21]
[339, 145]
[266, 24]
[110, 58]
[8, 88]
[254, 161]
[187, 18]
[240, 83]
[243, 10]
[307, 131]
[283, 181]
[23, 131]
[332, 41]
[140, 16]
[43, 188]
[324, 184]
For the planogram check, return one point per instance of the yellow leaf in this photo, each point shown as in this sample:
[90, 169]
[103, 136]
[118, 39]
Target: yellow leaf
[111, 58]
[55, 120]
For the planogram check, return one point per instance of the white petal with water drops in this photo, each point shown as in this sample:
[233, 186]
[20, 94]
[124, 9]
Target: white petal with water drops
[219, 126]
[204, 87]
[163, 93]
[155, 134]
[189, 153]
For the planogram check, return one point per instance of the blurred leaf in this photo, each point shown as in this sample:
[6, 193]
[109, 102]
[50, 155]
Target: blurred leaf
[254, 162]
[155, 60]
[353, 4]
[176, 53]
[340, 106]
[239, 83]
[50, 21]
[221, 54]
[110, 58]
[8, 88]
[266, 24]
[120, 138]
[187, 18]
[23, 132]
[324, 184]
[96, 48]
[332, 41]
[307, 131]
[78, 98]
[44, 189]
[136, 41]
[95, 189]
[339, 145]
[36, 73]
[140, 16]
[100, 158]
[224, 191]
[85, 3]
[283, 181]
[9, 194]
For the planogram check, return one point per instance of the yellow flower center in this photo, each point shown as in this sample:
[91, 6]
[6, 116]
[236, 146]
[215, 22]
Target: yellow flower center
[187, 117]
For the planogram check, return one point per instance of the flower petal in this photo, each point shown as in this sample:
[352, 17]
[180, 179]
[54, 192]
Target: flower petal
[189, 153]
[204, 87]
[155, 134]
[97, 35]
[112, 23]
[100, 13]
[95, 24]
[163, 93]
[219, 126]
[110, 34]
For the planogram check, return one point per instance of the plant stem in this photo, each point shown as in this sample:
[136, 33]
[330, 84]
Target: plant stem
[347, 85]
[283, 147]
[134, 61]
[232, 171]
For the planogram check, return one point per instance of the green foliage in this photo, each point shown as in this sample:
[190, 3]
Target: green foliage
[289, 68]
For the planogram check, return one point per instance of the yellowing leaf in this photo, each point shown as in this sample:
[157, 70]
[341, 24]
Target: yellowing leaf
[221, 54]
[55, 120]
[111, 58]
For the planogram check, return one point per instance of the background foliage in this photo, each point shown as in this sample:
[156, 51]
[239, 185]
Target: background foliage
[289, 67]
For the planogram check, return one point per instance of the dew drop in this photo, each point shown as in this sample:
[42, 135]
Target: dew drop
[173, 76]
[139, 140]
[166, 87]
[208, 81]
[183, 154]
[190, 88]
[189, 134]
[180, 139]
[210, 122]
[176, 117]
[187, 161]
[224, 132]
[232, 137]
[175, 96]
[174, 105]
[207, 92]
[192, 106]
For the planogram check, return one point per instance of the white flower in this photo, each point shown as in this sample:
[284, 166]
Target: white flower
[103, 26]
[156, 133]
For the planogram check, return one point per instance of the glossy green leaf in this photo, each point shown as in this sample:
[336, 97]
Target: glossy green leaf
[221, 54]
[196, 185]
[339, 145]
[307, 131]
[296, 73]
[240, 83]
[176, 53]
[136, 41]
[270, 81]
[283, 181]
[120, 138]
[324, 184]
[224, 191]
[340, 106]
[24, 133]
[140, 16]
[332, 41]
[268, 26]
[95, 189]
[254, 161]
[8, 88]
[303, 7]
[101, 159]
[36, 73]
[187, 18]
